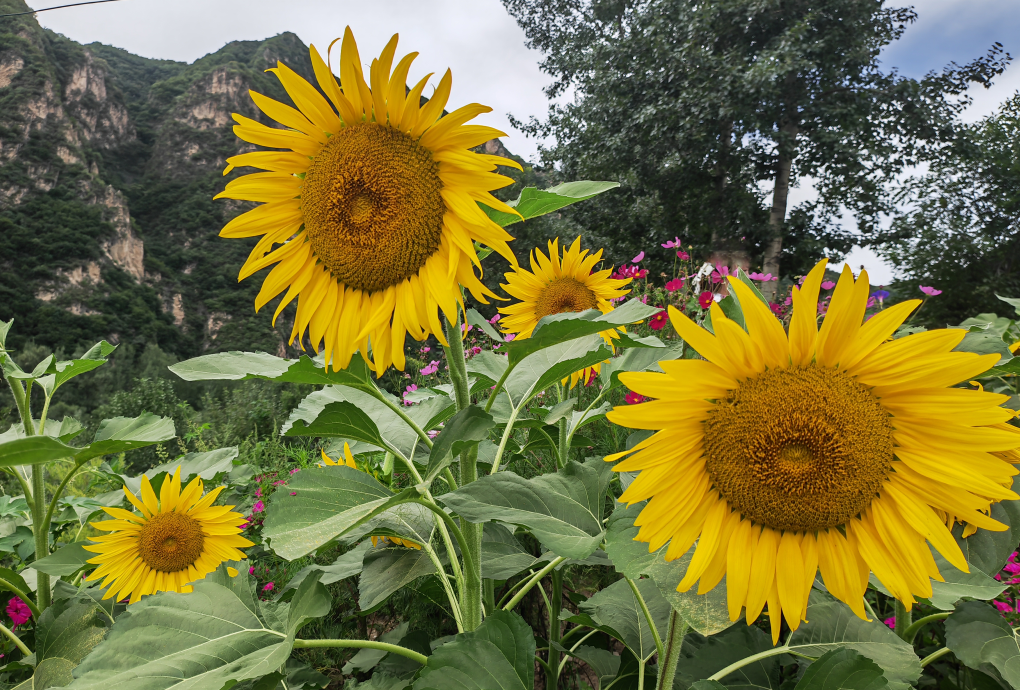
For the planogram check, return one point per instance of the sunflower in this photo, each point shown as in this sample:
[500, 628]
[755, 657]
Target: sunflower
[348, 461]
[369, 211]
[180, 537]
[832, 448]
[554, 286]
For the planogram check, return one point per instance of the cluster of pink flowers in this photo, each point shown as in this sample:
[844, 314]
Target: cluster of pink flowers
[674, 285]
[410, 389]
[625, 271]
[18, 611]
[431, 368]
[762, 278]
[495, 318]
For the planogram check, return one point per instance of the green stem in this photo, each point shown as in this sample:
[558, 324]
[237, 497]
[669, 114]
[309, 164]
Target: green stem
[22, 403]
[506, 437]
[871, 611]
[363, 644]
[555, 630]
[454, 604]
[488, 595]
[911, 632]
[671, 653]
[935, 655]
[499, 386]
[40, 529]
[648, 617]
[902, 619]
[58, 493]
[15, 639]
[448, 476]
[532, 582]
[469, 562]
[570, 434]
[574, 648]
[640, 674]
[381, 397]
[21, 595]
[747, 660]
[45, 412]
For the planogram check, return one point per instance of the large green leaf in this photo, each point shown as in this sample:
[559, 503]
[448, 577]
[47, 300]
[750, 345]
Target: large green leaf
[65, 561]
[237, 366]
[93, 359]
[34, 450]
[342, 418]
[543, 368]
[701, 657]
[388, 568]
[560, 328]
[127, 433]
[706, 613]
[218, 634]
[636, 359]
[616, 608]
[366, 659]
[208, 465]
[498, 655]
[66, 632]
[346, 565]
[978, 635]
[832, 625]
[534, 202]
[986, 550]
[843, 669]
[959, 585]
[465, 429]
[326, 503]
[563, 510]
[502, 554]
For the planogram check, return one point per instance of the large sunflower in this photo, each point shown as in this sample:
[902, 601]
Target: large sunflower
[180, 537]
[830, 448]
[554, 286]
[371, 207]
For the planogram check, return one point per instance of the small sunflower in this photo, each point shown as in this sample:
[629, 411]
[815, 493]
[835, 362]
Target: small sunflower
[372, 207]
[554, 286]
[180, 537]
[348, 461]
[831, 448]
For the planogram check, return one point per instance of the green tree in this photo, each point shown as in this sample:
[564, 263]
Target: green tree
[701, 105]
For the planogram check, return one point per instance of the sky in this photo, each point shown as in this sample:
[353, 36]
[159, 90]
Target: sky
[484, 47]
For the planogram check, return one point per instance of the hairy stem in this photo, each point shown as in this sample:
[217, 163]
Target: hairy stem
[57, 494]
[454, 603]
[671, 652]
[40, 529]
[363, 644]
[555, 630]
[911, 632]
[903, 619]
[535, 579]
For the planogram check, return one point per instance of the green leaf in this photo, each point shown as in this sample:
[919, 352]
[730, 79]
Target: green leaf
[986, 550]
[15, 579]
[498, 655]
[616, 608]
[843, 669]
[707, 614]
[701, 657]
[367, 659]
[959, 585]
[488, 366]
[636, 359]
[15, 505]
[328, 502]
[604, 663]
[65, 561]
[978, 634]
[127, 433]
[238, 366]
[208, 465]
[387, 569]
[832, 625]
[93, 359]
[347, 565]
[67, 631]
[502, 554]
[1011, 301]
[541, 369]
[34, 450]
[478, 321]
[465, 429]
[560, 328]
[218, 634]
[985, 343]
[340, 418]
[563, 510]
[534, 202]
[708, 685]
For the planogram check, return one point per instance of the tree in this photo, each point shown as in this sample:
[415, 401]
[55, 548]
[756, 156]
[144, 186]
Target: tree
[960, 230]
[701, 104]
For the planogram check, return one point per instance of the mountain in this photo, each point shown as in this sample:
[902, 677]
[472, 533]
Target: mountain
[108, 167]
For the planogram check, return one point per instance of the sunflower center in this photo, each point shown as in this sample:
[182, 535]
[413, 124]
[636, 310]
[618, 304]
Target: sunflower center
[171, 541]
[564, 295]
[371, 205]
[805, 448]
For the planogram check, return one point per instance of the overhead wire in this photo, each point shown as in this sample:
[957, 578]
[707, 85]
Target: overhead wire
[58, 7]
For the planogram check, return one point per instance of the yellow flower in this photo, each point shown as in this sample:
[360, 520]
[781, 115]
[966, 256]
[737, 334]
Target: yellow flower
[349, 462]
[373, 205]
[554, 286]
[180, 537]
[830, 448]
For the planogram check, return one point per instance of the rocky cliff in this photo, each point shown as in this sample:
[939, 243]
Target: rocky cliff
[108, 165]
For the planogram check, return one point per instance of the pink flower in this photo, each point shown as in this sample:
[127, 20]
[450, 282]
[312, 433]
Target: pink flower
[258, 507]
[720, 273]
[763, 278]
[425, 349]
[930, 291]
[1003, 606]
[431, 368]
[658, 322]
[465, 328]
[410, 389]
[509, 336]
[433, 433]
[279, 481]
[638, 258]
[634, 398]
[682, 255]
[293, 493]
[251, 570]
[705, 299]
[891, 622]
[674, 285]
[823, 308]
[495, 318]
[626, 271]
[476, 350]
[828, 285]
[789, 300]
[672, 244]
[777, 309]
[268, 587]
[1012, 568]
[258, 492]
[18, 611]
[871, 302]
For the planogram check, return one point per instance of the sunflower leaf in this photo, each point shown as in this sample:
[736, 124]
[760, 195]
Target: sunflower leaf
[500, 653]
[958, 584]
[121, 434]
[465, 429]
[502, 554]
[66, 632]
[702, 656]
[239, 366]
[977, 634]
[65, 561]
[843, 669]
[545, 367]
[322, 504]
[388, 568]
[616, 608]
[534, 202]
[563, 510]
[478, 321]
[34, 450]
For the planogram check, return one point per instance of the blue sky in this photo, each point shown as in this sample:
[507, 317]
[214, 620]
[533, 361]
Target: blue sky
[485, 48]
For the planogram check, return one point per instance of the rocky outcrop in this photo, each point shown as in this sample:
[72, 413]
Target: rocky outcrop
[102, 119]
[125, 248]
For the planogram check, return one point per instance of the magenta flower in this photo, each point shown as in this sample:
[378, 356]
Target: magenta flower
[433, 433]
[891, 622]
[634, 398]
[295, 470]
[674, 285]
[871, 302]
[762, 278]
[720, 273]
[658, 322]
[672, 244]
[425, 349]
[251, 570]
[1003, 606]
[476, 350]
[828, 285]
[777, 309]
[638, 258]
[930, 291]
[682, 255]
[495, 318]
[258, 492]
[509, 336]
[431, 368]
[268, 587]
[18, 611]
[705, 299]
[258, 507]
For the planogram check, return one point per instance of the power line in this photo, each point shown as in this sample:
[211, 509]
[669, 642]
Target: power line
[58, 7]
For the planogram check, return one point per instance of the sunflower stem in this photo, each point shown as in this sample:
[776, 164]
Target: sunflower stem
[671, 651]
[15, 639]
[911, 632]
[555, 630]
[535, 579]
[21, 401]
[363, 644]
[648, 617]
[938, 654]
[564, 445]
[40, 529]
[903, 620]
[57, 494]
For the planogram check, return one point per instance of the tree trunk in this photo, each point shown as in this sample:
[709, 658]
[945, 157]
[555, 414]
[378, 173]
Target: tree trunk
[727, 249]
[777, 218]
